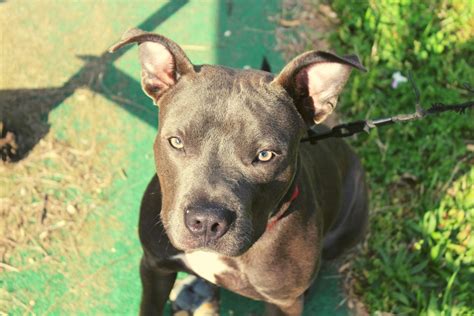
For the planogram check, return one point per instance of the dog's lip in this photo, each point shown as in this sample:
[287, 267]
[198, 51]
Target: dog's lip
[186, 247]
[224, 252]
[227, 249]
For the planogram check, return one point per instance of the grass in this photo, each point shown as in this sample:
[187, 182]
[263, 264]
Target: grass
[419, 255]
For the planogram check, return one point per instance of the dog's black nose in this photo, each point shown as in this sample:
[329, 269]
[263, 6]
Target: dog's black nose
[208, 223]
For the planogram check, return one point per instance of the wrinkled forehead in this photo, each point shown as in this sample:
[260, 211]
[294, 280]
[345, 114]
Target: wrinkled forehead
[219, 97]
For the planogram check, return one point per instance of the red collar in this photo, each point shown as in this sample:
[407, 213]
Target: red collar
[286, 206]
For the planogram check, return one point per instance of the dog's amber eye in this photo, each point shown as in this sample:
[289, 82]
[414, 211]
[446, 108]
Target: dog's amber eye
[265, 156]
[175, 142]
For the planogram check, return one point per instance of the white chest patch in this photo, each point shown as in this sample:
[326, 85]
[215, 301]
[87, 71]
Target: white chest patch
[205, 264]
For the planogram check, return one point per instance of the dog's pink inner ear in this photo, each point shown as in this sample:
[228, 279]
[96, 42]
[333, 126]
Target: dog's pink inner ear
[319, 85]
[158, 69]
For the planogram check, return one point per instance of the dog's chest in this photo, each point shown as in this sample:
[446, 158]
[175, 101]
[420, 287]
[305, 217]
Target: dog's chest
[222, 271]
[207, 265]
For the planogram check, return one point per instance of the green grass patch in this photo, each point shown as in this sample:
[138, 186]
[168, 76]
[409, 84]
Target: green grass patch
[418, 258]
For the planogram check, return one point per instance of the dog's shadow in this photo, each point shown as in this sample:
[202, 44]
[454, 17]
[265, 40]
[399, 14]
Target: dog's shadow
[24, 119]
[24, 113]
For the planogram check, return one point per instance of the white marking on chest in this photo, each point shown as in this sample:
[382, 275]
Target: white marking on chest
[205, 264]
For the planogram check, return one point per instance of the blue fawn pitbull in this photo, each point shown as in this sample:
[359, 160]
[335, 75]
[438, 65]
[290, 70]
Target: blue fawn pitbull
[237, 199]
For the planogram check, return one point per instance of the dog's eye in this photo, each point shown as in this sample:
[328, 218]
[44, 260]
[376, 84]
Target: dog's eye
[176, 142]
[265, 156]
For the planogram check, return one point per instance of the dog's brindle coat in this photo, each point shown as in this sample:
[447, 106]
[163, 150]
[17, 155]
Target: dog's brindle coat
[228, 159]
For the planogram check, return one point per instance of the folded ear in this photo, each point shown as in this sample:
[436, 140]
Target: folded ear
[314, 80]
[163, 61]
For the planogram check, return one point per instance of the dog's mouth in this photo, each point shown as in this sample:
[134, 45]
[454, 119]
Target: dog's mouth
[231, 249]
[227, 248]
[216, 230]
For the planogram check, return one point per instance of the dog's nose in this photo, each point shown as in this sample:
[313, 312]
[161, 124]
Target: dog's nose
[210, 223]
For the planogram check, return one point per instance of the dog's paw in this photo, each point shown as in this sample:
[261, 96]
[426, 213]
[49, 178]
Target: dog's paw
[194, 296]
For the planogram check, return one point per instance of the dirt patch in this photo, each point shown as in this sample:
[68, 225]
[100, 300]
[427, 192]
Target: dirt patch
[52, 201]
[49, 200]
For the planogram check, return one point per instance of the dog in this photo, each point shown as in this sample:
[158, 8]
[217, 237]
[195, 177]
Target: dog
[237, 199]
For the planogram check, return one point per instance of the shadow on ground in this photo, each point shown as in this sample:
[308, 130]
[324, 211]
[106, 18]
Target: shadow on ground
[25, 112]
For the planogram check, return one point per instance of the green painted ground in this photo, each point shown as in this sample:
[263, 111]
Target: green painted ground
[60, 48]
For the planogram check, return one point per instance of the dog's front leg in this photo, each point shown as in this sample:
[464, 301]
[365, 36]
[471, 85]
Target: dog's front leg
[292, 309]
[156, 286]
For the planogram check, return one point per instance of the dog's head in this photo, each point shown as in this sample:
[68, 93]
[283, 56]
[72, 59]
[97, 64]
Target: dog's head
[227, 145]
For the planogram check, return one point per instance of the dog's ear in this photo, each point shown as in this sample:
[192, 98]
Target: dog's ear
[314, 80]
[163, 61]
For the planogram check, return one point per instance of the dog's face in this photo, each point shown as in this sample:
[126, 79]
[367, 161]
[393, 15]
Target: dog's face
[227, 145]
[227, 142]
